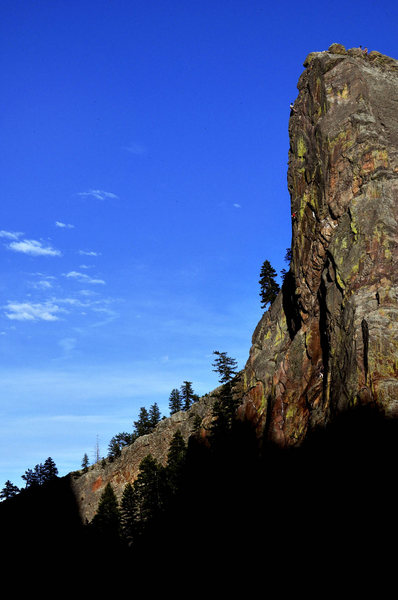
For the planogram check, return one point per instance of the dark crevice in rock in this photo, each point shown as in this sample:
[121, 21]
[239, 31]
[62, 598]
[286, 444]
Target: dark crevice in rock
[290, 306]
[365, 339]
[324, 325]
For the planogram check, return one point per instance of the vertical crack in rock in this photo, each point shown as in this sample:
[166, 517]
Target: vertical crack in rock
[365, 340]
[330, 340]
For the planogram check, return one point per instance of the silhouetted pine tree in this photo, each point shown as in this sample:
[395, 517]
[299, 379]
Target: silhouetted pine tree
[288, 259]
[268, 286]
[9, 490]
[119, 441]
[85, 463]
[33, 477]
[175, 401]
[151, 491]
[129, 514]
[187, 395]
[225, 366]
[154, 416]
[107, 519]
[49, 470]
[176, 460]
[143, 425]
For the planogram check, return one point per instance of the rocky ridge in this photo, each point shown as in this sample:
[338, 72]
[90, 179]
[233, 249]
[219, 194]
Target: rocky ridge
[330, 340]
[88, 487]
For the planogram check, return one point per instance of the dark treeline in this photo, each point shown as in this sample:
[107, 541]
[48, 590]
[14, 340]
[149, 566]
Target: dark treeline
[41, 474]
[233, 508]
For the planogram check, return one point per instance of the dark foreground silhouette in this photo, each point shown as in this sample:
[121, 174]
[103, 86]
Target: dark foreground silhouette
[301, 517]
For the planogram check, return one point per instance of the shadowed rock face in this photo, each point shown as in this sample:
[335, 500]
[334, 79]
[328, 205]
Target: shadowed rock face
[330, 340]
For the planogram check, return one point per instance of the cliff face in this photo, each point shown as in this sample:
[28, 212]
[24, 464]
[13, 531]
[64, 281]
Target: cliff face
[330, 340]
[88, 487]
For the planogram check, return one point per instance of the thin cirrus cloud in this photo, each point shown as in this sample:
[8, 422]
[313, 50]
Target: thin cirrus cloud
[27, 311]
[98, 194]
[64, 225]
[43, 284]
[89, 253]
[10, 235]
[33, 248]
[83, 278]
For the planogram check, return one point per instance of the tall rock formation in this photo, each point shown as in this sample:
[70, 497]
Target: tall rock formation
[330, 340]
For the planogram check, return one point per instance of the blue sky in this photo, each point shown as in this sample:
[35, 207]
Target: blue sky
[143, 160]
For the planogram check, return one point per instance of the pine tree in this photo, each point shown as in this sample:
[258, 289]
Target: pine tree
[176, 459]
[49, 470]
[85, 463]
[288, 259]
[225, 366]
[154, 416]
[128, 514]
[31, 477]
[119, 441]
[175, 401]
[187, 395]
[268, 286]
[39, 474]
[107, 518]
[150, 488]
[143, 425]
[9, 490]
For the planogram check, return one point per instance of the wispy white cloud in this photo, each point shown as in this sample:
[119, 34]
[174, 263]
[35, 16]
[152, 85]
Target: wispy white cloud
[83, 278]
[89, 253]
[236, 205]
[43, 284]
[10, 235]
[26, 311]
[33, 248]
[64, 225]
[98, 194]
[88, 293]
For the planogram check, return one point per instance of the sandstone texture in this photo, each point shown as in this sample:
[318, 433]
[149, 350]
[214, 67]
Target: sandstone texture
[330, 340]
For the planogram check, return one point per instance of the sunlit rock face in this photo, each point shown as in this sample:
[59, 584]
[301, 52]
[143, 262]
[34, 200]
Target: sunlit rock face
[88, 487]
[330, 340]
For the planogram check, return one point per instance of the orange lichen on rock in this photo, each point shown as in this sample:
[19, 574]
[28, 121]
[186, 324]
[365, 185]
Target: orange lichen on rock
[97, 484]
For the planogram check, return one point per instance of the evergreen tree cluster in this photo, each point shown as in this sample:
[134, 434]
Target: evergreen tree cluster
[180, 399]
[183, 398]
[144, 501]
[161, 497]
[39, 475]
[9, 490]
